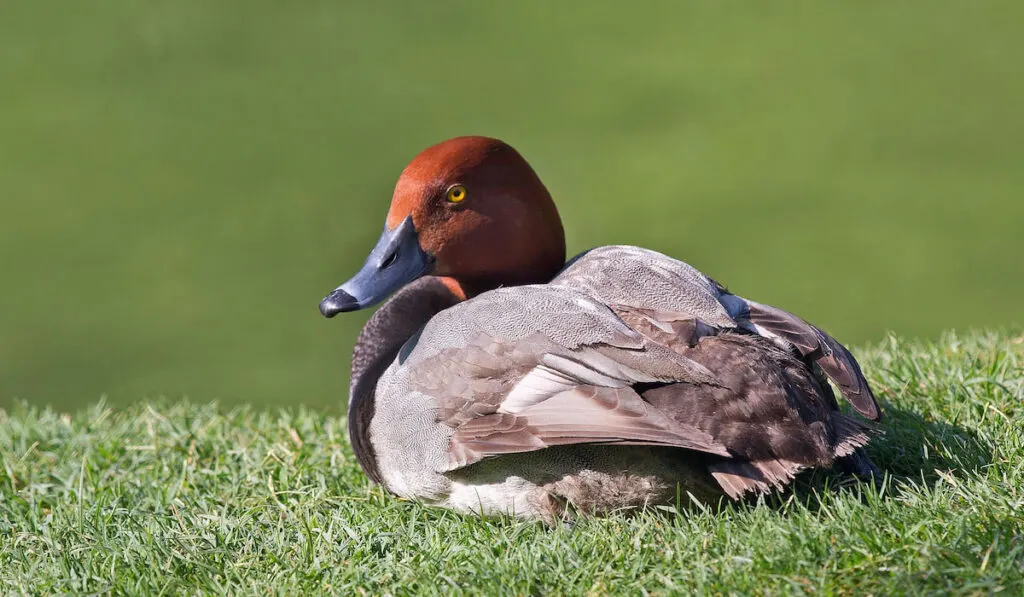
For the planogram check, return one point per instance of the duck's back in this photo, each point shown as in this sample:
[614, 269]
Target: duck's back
[669, 297]
[567, 317]
[638, 277]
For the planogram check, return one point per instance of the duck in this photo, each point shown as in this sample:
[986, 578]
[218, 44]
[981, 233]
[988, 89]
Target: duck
[498, 378]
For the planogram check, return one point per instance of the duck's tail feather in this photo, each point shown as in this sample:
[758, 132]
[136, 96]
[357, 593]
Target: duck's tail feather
[850, 434]
[814, 344]
[738, 477]
[851, 437]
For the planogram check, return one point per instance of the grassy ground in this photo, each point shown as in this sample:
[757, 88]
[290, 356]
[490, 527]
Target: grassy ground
[182, 180]
[185, 498]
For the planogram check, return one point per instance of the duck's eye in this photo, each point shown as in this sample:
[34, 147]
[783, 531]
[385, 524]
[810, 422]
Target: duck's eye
[456, 194]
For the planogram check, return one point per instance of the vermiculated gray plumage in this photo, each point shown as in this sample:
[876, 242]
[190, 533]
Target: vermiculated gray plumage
[377, 346]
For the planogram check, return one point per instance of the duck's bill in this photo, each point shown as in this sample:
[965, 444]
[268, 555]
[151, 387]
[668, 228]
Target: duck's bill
[396, 260]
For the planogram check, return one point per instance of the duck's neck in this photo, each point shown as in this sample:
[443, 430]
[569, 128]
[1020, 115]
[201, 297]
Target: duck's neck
[378, 344]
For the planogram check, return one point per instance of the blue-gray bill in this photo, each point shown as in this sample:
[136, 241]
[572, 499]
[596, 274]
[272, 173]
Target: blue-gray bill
[396, 260]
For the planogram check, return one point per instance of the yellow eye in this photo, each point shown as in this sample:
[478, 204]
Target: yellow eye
[456, 194]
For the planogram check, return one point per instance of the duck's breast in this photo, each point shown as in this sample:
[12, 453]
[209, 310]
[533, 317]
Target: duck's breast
[409, 445]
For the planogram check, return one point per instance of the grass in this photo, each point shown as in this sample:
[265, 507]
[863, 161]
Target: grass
[182, 498]
[182, 180]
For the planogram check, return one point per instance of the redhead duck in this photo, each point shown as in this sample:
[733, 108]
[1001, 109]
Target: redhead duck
[499, 379]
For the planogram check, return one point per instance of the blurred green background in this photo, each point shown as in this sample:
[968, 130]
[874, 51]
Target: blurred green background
[181, 181]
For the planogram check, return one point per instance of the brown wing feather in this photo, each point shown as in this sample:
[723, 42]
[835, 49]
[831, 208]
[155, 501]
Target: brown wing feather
[773, 414]
[814, 344]
[583, 415]
[507, 397]
[677, 331]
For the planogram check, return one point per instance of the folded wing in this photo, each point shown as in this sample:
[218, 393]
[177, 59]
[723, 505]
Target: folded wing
[505, 398]
[815, 345]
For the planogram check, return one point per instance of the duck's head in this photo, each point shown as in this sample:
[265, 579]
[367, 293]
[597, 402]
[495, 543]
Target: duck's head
[469, 210]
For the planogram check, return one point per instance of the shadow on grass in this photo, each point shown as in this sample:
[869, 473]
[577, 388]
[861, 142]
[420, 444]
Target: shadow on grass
[910, 449]
[917, 447]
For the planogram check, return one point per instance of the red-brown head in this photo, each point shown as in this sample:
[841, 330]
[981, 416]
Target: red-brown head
[471, 210]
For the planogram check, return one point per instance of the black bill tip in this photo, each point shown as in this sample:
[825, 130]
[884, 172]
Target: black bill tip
[336, 302]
